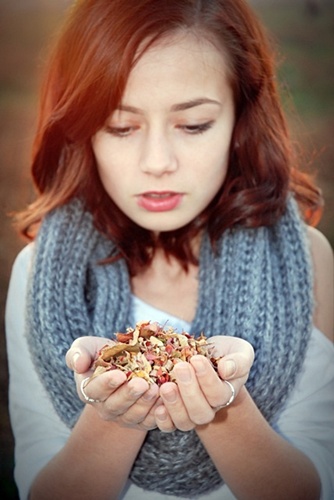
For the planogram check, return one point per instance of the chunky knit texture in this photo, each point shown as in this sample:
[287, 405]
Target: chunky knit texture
[258, 287]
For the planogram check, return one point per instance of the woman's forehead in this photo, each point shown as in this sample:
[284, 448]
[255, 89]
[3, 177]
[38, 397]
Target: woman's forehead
[180, 62]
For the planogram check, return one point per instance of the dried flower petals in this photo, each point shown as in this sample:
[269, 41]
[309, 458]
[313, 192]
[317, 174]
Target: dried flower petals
[150, 351]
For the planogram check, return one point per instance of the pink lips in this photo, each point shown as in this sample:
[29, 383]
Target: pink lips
[159, 201]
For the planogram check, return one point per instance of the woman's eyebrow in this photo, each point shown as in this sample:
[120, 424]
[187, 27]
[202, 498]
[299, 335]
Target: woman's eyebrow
[193, 103]
[176, 107]
[130, 109]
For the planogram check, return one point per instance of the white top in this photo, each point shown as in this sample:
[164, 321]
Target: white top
[307, 420]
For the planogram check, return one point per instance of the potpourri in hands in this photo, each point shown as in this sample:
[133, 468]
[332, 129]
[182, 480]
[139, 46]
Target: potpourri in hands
[150, 351]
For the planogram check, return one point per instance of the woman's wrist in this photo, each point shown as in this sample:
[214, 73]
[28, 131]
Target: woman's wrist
[252, 457]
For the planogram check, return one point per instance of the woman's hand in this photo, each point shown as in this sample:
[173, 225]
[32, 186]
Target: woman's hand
[193, 400]
[199, 392]
[131, 404]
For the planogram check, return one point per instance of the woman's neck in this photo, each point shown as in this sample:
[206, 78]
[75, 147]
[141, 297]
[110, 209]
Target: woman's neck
[166, 285]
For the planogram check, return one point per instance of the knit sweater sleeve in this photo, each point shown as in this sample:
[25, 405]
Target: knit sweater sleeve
[307, 419]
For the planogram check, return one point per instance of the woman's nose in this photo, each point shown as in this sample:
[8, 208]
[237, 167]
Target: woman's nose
[158, 154]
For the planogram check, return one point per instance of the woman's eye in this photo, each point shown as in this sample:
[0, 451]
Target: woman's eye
[197, 129]
[119, 131]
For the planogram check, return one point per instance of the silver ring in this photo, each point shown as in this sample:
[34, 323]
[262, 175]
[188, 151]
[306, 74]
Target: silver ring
[82, 389]
[232, 398]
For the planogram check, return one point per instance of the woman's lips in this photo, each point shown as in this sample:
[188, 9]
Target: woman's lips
[159, 201]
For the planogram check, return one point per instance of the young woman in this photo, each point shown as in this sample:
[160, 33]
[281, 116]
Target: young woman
[168, 191]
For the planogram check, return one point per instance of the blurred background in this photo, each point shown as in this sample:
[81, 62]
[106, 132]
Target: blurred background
[303, 33]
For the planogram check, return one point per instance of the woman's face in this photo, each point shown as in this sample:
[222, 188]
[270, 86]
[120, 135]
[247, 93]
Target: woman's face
[162, 155]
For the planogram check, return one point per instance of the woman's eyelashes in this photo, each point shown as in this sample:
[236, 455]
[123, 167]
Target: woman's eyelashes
[120, 131]
[199, 128]
[191, 129]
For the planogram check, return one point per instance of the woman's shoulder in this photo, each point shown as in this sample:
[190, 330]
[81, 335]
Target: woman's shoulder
[20, 270]
[319, 242]
[323, 272]
[23, 259]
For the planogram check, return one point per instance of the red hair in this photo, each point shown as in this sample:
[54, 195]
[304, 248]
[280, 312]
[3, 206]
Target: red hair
[84, 82]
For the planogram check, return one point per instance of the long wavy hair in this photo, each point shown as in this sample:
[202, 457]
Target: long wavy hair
[84, 82]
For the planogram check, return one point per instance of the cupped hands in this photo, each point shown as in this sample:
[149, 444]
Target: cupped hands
[198, 393]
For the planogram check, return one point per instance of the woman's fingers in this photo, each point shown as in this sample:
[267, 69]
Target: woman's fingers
[193, 400]
[237, 357]
[217, 393]
[172, 414]
[101, 387]
[114, 398]
[141, 411]
[234, 367]
[110, 393]
[82, 352]
[163, 420]
[198, 393]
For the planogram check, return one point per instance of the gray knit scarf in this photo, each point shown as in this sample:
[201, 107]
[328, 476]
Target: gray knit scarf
[257, 287]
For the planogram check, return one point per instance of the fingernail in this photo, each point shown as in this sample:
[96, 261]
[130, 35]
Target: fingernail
[117, 378]
[149, 395]
[170, 396]
[199, 365]
[183, 373]
[229, 368]
[160, 413]
[113, 383]
[75, 358]
[137, 392]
